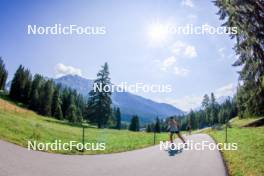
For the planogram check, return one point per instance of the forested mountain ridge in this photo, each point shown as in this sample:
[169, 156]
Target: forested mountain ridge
[128, 103]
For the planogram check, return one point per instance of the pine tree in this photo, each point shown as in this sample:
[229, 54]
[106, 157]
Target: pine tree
[213, 109]
[34, 102]
[46, 94]
[118, 118]
[247, 17]
[71, 113]
[26, 91]
[111, 122]
[15, 89]
[99, 104]
[134, 124]
[206, 107]
[157, 125]
[198, 119]
[149, 128]
[21, 85]
[46, 98]
[3, 74]
[65, 100]
[192, 120]
[80, 104]
[56, 105]
[205, 102]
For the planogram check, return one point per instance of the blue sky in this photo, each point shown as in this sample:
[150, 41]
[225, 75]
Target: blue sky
[192, 64]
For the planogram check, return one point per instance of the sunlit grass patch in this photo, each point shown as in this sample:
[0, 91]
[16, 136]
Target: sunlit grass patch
[248, 159]
[19, 125]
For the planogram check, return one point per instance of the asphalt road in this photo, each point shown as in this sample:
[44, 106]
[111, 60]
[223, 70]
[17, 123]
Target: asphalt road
[18, 161]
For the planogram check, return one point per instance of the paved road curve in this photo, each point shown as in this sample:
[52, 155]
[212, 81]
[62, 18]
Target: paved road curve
[18, 161]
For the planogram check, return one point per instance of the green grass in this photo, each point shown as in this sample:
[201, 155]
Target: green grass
[18, 125]
[249, 158]
[242, 122]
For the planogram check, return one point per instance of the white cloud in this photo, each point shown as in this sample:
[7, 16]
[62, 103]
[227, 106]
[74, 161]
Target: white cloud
[194, 101]
[181, 71]
[170, 64]
[221, 52]
[167, 63]
[177, 47]
[227, 90]
[187, 102]
[188, 3]
[62, 70]
[180, 48]
[190, 51]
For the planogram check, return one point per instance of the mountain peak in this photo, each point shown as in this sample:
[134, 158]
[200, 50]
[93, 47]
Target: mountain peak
[130, 104]
[71, 76]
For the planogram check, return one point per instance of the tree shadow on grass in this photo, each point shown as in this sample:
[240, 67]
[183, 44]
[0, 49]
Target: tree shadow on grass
[6, 97]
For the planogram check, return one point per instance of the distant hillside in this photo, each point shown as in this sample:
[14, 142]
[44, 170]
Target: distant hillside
[78, 83]
[129, 103]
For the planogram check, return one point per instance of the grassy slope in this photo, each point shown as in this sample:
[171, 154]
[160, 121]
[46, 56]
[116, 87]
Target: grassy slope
[248, 159]
[19, 125]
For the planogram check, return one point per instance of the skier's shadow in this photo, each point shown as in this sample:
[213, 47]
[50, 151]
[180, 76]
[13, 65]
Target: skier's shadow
[174, 152]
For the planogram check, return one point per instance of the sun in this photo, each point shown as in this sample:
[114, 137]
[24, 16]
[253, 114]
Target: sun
[157, 32]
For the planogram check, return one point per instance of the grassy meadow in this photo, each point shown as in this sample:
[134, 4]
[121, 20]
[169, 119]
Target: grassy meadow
[18, 125]
[249, 158]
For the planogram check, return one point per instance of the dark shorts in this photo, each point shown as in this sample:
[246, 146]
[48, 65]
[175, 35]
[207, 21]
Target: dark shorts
[174, 132]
